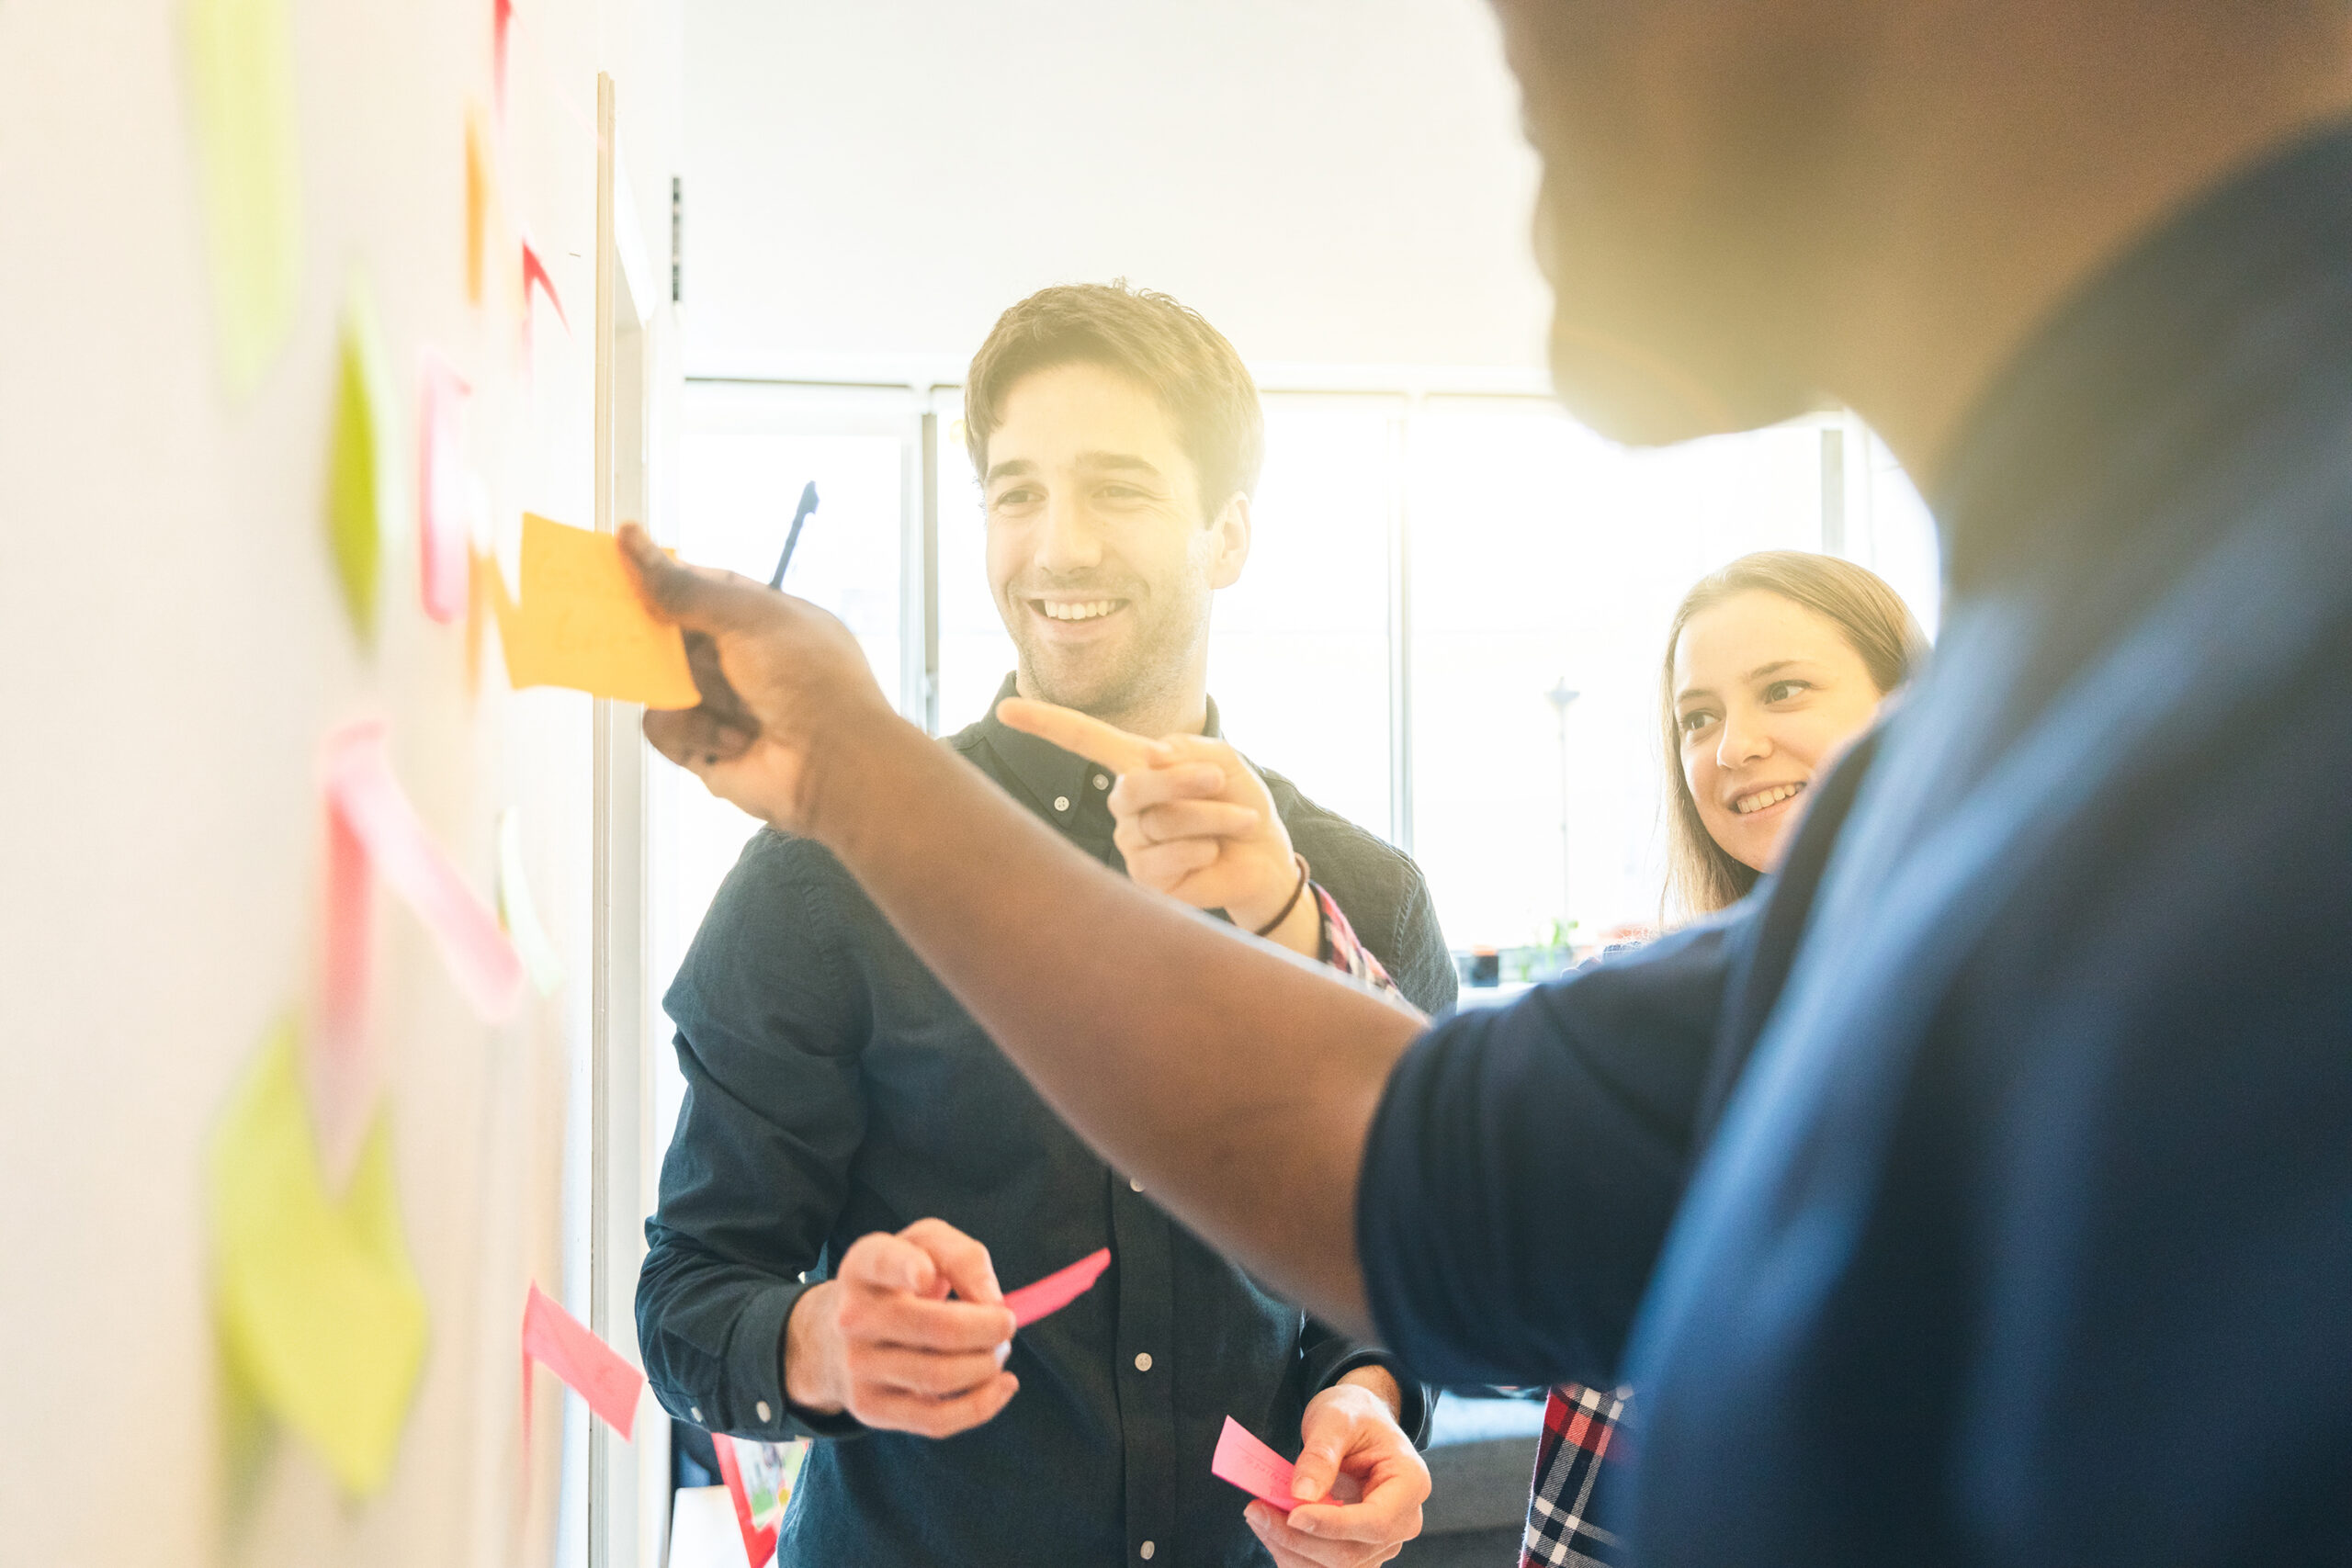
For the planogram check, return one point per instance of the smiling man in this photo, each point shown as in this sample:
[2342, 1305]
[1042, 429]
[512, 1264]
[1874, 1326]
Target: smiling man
[845, 1117]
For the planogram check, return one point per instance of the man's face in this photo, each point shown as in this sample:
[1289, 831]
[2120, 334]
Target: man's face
[1692, 152]
[1100, 554]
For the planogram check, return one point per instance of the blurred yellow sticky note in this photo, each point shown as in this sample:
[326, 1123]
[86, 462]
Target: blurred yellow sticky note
[240, 86]
[321, 1315]
[580, 623]
[364, 492]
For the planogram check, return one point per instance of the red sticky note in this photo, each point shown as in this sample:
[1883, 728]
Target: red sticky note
[1255, 1468]
[759, 1541]
[362, 791]
[563, 1344]
[343, 1065]
[502, 17]
[1056, 1289]
[441, 487]
[534, 276]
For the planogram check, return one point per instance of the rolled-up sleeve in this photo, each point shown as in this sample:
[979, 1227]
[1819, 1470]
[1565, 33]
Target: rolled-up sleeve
[770, 1027]
[1525, 1161]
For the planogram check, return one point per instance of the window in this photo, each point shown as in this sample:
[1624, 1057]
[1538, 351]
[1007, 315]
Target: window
[1431, 577]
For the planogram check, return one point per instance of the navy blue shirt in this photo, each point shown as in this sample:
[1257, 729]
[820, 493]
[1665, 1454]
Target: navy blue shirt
[2017, 1227]
[834, 1089]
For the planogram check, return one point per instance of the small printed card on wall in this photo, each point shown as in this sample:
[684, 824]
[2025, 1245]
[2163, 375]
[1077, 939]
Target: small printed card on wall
[579, 622]
[760, 1478]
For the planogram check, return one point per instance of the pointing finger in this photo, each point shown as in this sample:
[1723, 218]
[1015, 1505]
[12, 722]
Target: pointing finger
[1088, 737]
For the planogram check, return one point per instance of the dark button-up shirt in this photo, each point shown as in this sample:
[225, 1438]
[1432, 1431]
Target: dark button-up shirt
[2019, 1230]
[834, 1089]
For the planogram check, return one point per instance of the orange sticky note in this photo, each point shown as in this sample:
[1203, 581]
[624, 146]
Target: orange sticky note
[478, 167]
[580, 623]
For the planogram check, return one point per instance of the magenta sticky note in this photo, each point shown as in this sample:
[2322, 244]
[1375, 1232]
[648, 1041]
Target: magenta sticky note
[1255, 1468]
[1059, 1289]
[566, 1347]
[361, 789]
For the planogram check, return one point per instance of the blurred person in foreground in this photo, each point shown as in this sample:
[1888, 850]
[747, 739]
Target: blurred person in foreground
[1773, 665]
[1998, 1209]
[844, 1117]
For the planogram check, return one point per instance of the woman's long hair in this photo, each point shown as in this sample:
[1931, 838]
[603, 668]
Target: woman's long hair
[1701, 875]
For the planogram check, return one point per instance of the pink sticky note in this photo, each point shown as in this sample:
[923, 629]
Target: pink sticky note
[343, 1067]
[502, 17]
[1255, 1468]
[536, 276]
[1056, 1289]
[441, 490]
[361, 789]
[759, 1541]
[565, 1346]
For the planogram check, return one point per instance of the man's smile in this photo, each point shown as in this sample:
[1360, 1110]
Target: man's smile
[1078, 609]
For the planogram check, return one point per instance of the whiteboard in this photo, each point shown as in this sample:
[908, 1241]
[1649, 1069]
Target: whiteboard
[173, 648]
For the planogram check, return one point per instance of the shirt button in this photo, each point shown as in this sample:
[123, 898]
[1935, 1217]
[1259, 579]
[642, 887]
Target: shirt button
[1142, 1360]
[1061, 802]
[1103, 781]
[761, 1407]
[695, 1411]
[1134, 1183]
[1145, 1551]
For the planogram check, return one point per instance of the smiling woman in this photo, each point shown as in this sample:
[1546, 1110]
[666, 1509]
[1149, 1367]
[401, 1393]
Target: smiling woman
[1772, 665]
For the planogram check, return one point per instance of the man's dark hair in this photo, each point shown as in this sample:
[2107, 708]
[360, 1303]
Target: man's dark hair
[1163, 346]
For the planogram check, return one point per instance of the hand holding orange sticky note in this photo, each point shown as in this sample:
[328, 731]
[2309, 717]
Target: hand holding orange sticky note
[581, 623]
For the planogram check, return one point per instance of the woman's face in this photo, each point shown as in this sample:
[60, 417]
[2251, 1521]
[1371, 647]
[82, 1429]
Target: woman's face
[1766, 693]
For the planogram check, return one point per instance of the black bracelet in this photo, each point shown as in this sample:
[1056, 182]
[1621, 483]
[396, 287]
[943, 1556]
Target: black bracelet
[1269, 927]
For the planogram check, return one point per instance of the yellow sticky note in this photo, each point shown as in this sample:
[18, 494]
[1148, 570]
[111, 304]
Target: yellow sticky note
[320, 1312]
[240, 86]
[582, 624]
[363, 486]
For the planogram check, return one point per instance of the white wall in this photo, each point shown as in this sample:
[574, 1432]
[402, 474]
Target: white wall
[1331, 182]
[172, 651]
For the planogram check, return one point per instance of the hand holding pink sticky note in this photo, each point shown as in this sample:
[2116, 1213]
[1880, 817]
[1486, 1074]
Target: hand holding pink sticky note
[1059, 1289]
[1257, 1470]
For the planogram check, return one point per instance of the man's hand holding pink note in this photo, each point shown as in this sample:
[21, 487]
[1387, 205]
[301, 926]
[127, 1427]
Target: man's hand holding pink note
[911, 1333]
[1355, 1496]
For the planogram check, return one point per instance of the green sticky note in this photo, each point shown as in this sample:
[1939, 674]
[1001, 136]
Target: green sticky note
[321, 1315]
[240, 88]
[363, 469]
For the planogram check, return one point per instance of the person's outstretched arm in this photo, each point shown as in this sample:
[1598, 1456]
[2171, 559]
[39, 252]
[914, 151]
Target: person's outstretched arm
[1236, 1081]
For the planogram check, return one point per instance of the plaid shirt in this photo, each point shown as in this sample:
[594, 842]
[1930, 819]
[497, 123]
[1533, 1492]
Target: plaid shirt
[1345, 952]
[1579, 1424]
[1580, 1431]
